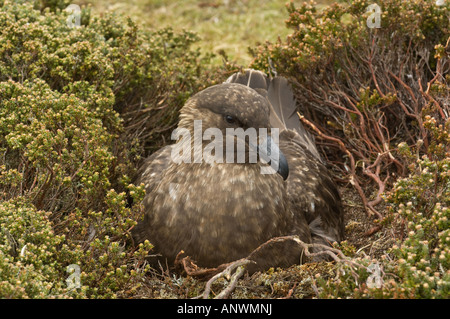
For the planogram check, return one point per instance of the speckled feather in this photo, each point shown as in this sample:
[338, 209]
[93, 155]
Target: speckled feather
[217, 212]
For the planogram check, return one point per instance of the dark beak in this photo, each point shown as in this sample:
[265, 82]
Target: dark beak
[269, 151]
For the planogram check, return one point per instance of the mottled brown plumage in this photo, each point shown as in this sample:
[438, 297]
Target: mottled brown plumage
[221, 212]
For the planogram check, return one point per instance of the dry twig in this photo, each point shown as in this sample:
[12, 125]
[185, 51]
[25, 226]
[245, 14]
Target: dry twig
[240, 265]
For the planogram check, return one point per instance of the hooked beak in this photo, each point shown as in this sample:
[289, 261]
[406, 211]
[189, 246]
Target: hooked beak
[269, 151]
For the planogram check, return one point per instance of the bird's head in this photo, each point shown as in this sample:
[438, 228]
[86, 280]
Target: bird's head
[230, 116]
[227, 105]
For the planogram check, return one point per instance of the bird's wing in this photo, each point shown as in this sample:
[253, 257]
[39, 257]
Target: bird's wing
[310, 187]
[283, 106]
[312, 191]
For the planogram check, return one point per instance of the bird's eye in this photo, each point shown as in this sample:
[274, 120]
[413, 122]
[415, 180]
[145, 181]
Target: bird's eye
[230, 119]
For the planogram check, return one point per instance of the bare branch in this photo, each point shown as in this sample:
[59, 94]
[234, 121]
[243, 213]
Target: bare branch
[240, 265]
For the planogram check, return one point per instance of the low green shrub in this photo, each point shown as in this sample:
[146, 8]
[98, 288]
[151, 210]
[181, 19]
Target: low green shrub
[364, 87]
[418, 265]
[78, 105]
[378, 99]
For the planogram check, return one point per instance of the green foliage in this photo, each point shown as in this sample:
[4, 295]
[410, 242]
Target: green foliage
[28, 252]
[319, 34]
[35, 259]
[61, 143]
[421, 202]
[383, 94]
[418, 266]
[364, 86]
[69, 100]
[80, 106]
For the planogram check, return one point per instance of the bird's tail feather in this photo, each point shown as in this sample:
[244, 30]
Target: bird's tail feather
[283, 112]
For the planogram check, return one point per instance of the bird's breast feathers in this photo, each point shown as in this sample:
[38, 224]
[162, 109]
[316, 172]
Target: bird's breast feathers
[220, 185]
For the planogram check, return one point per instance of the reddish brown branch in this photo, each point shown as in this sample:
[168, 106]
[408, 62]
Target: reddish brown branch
[353, 179]
[239, 265]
